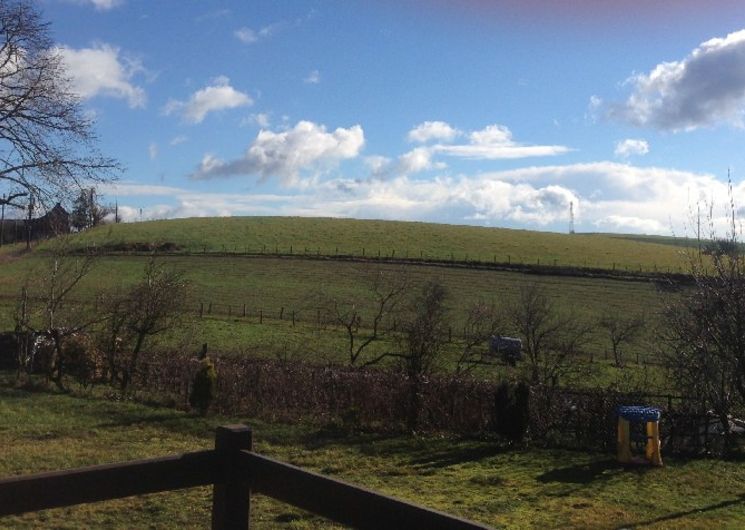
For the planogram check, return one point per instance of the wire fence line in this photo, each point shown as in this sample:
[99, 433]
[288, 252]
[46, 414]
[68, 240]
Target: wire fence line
[322, 320]
[504, 261]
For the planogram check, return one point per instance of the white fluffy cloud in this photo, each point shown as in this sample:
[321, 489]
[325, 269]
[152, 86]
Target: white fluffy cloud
[416, 160]
[631, 146]
[152, 150]
[217, 96]
[704, 88]
[103, 71]
[307, 146]
[432, 130]
[495, 142]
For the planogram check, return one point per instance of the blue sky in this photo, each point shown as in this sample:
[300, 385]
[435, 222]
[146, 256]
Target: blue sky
[494, 113]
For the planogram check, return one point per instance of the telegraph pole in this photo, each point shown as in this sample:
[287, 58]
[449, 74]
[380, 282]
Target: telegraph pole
[28, 222]
[2, 221]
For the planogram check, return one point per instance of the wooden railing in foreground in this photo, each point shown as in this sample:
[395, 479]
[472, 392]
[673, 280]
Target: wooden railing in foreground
[236, 472]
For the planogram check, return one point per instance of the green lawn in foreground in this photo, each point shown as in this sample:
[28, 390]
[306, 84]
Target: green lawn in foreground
[399, 238]
[476, 479]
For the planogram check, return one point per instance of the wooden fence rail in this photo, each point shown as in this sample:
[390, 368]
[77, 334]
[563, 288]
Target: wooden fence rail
[235, 471]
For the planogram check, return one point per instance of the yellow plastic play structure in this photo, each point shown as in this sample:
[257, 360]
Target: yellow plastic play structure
[641, 425]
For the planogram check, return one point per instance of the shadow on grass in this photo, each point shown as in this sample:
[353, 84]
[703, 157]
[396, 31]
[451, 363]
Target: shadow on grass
[678, 515]
[458, 455]
[585, 473]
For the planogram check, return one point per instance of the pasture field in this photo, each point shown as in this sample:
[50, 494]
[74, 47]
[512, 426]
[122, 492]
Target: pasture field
[270, 286]
[327, 236]
[480, 480]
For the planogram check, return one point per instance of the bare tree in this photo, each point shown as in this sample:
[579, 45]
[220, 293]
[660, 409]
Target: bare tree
[704, 332]
[45, 300]
[621, 330]
[151, 307]
[482, 322]
[551, 340]
[385, 292]
[86, 211]
[423, 337]
[47, 145]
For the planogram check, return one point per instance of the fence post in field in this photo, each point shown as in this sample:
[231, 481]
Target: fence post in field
[201, 309]
[281, 312]
[230, 310]
[209, 309]
[231, 500]
[293, 318]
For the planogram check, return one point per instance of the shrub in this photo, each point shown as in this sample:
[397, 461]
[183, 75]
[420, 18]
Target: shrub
[82, 359]
[203, 387]
[511, 413]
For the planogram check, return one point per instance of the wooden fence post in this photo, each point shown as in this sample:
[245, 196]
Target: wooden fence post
[231, 500]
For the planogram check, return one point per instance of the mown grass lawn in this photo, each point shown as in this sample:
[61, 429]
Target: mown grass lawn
[478, 479]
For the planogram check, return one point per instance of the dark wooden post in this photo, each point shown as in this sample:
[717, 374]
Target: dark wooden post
[231, 500]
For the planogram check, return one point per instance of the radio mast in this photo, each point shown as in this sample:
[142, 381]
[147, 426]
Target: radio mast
[571, 217]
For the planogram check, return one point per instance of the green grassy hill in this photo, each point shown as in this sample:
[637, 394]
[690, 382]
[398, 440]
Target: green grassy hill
[389, 238]
[271, 285]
